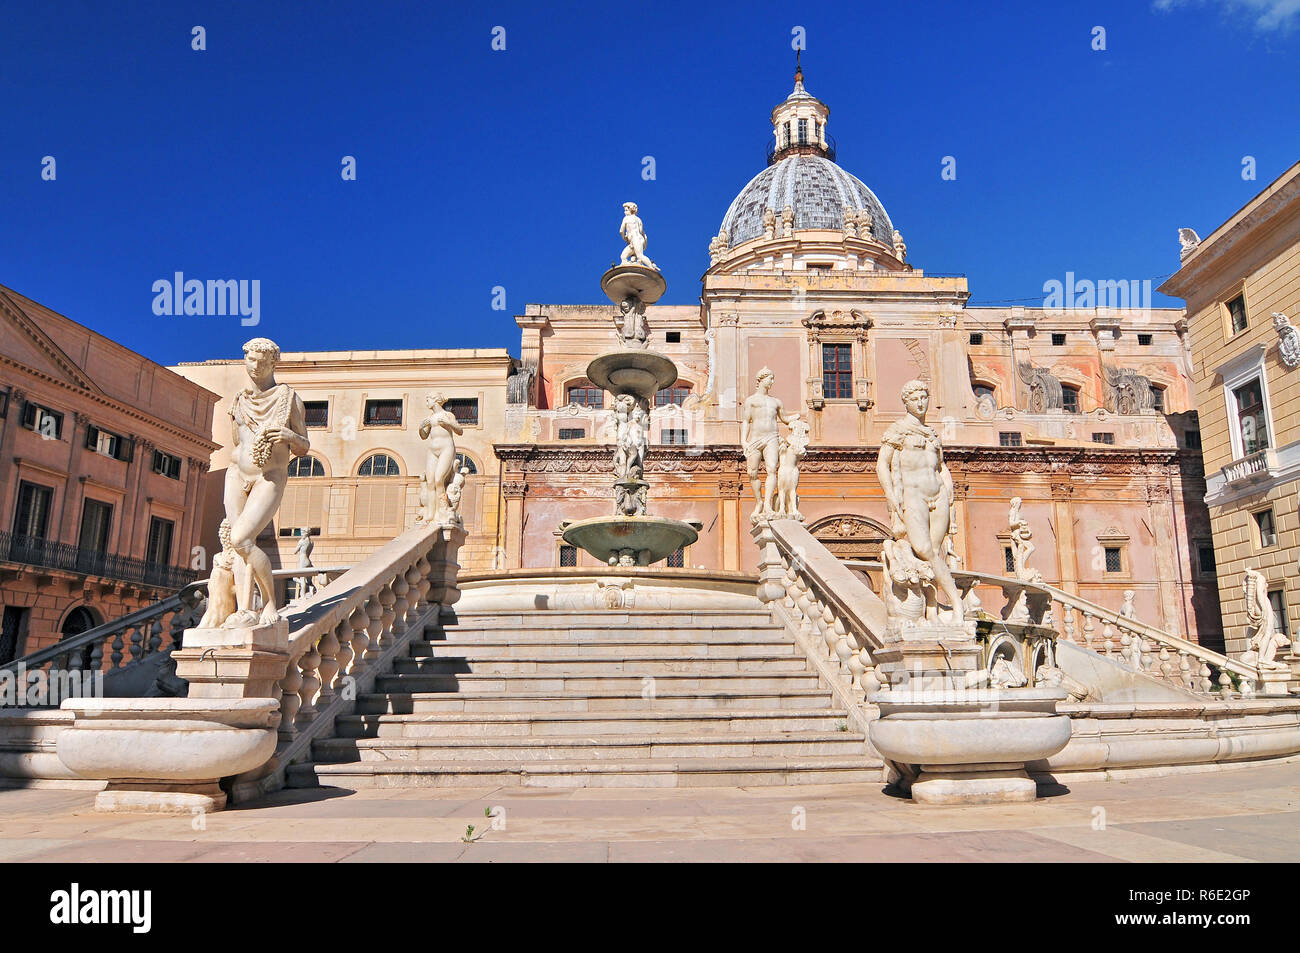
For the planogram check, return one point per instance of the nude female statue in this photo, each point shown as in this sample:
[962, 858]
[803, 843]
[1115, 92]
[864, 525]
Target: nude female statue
[268, 424]
[439, 429]
[918, 489]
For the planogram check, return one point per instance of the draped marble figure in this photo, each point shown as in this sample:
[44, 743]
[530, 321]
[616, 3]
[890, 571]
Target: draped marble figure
[439, 429]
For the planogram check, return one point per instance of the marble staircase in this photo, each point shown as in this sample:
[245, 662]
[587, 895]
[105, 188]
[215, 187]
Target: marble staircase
[596, 698]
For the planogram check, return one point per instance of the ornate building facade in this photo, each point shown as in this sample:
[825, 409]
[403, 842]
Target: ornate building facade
[102, 457]
[1242, 287]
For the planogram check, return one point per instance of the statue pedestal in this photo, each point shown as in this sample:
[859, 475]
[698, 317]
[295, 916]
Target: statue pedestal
[241, 662]
[929, 655]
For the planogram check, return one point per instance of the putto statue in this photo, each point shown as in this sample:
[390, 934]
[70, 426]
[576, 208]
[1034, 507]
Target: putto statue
[268, 424]
[1021, 547]
[918, 492]
[1128, 610]
[440, 430]
[760, 435]
[633, 233]
[1266, 639]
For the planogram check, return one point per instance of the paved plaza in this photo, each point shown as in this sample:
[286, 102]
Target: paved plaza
[1248, 814]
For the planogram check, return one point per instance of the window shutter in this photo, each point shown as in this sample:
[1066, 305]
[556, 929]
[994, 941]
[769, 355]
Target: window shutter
[92, 436]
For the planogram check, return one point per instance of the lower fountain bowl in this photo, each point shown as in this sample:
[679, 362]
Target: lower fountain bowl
[643, 373]
[630, 540]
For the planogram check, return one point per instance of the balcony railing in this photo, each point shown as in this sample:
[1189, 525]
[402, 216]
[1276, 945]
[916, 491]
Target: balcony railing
[800, 145]
[1256, 465]
[33, 551]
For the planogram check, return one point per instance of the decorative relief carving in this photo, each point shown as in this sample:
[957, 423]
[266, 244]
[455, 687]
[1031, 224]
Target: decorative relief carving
[1045, 393]
[1288, 339]
[514, 491]
[1127, 391]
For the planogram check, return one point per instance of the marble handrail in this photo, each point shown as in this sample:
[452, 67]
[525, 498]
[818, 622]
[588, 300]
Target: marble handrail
[1171, 659]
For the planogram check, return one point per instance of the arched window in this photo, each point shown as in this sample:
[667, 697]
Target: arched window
[585, 394]
[982, 391]
[464, 461]
[379, 464]
[1070, 398]
[672, 395]
[307, 466]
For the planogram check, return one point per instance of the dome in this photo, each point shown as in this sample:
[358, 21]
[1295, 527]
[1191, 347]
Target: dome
[817, 189]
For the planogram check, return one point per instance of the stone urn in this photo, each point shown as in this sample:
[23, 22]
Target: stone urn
[167, 755]
[968, 746]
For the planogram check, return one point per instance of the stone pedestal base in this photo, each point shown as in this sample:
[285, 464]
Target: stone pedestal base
[1274, 681]
[153, 797]
[973, 784]
[243, 662]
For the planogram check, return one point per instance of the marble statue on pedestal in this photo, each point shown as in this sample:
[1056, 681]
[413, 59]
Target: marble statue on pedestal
[760, 436]
[633, 233]
[1021, 547]
[268, 423]
[919, 494]
[440, 429]
[303, 552]
[1266, 639]
[1128, 610]
[631, 439]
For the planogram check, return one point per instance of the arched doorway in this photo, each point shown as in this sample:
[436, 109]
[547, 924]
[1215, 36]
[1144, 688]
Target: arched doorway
[850, 536]
[81, 619]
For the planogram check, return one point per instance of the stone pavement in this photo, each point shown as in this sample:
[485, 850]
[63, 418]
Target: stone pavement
[1249, 814]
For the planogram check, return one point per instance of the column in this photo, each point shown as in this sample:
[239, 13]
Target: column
[67, 530]
[132, 512]
[1167, 556]
[1067, 552]
[513, 525]
[729, 519]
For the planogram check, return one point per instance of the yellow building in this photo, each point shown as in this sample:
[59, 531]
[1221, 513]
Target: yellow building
[1242, 288]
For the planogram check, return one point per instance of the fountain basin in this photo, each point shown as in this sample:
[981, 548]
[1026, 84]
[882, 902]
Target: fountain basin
[647, 539]
[623, 280]
[642, 373]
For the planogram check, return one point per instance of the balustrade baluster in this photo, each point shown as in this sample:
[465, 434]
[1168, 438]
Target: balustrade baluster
[290, 701]
[359, 622]
[400, 588]
[1225, 682]
[330, 648]
[413, 591]
[1067, 622]
[828, 631]
[97, 656]
[308, 666]
[1089, 628]
[117, 650]
[374, 627]
[1206, 676]
[1185, 671]
[137, 643]
[387, 615]
[155, 637]
[422, 564]
[1165, 665]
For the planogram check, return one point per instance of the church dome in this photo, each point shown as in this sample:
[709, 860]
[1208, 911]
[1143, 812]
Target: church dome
[813, 186]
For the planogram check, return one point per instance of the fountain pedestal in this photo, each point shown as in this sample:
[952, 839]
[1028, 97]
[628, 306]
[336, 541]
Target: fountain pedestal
[633, 374]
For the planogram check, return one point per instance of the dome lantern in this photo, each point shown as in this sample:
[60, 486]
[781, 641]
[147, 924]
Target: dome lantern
[799, 125]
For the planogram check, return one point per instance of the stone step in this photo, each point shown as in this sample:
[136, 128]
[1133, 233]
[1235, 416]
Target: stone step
[596, 748]
[612, 618]
[778, 645]
[630, 664]
[579, 684]
[553, 724]
[589, 632]
[641, 773]
[524, 702]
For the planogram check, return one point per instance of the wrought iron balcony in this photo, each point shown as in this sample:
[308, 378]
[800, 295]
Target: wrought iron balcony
[33, 551]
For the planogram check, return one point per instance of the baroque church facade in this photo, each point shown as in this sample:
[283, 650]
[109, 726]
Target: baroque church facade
[1086, 414]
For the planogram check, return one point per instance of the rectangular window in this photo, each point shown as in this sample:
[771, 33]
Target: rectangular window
[383, 413]
[676, 559]
[13, 633]
[586, 395]
[1251, 422]
[1144, 340]
[1104, 437]
[96, 518]
[107, 444]
[1267, 529]
[572, 433]
[673, 337]
[1192, 439]
[1114, 559]
[167, 464]
[464, 409]
[1070, 400]
[1058, 339]
[1158, 399]
[787, 132]
[32, 515]
[673, 436]
[803, 132]
[1009, 560]
[1237, 313]
[1009, 438]
[48, 423]
[159, 551]
[568, 556]
[316, 413]
[977, 339]
[1205, 559]
[837, 371]
[1277, 599]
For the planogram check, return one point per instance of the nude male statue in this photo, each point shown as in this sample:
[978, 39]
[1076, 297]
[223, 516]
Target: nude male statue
[633, 233]
[918, 489]
[761, 438]
[268, 423]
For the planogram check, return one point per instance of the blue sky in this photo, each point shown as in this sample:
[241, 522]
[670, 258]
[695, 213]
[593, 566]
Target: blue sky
[479, 168]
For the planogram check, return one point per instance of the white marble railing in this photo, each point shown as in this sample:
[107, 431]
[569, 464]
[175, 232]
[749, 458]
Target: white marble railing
[1141, 647]
[834, 615]
[1261, 461]
[350, 631]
